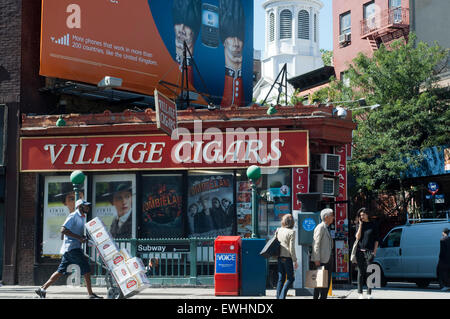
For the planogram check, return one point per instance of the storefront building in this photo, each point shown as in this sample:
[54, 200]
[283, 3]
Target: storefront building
[192, 185]
[430, 182]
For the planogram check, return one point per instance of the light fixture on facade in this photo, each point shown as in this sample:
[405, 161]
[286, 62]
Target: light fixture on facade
[60, 122]
[341, 112]
[271, 110]
[110, 82]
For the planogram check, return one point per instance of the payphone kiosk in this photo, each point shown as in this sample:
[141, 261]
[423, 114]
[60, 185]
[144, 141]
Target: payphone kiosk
[306, 220]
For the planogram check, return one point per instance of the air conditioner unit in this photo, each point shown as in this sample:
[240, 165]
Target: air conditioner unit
[341, 38]
[348, 37]
[326, 185]
[325, 162]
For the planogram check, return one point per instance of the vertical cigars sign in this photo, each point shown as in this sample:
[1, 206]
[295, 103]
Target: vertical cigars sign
[300, 179]
[341, 219]
[166, 113]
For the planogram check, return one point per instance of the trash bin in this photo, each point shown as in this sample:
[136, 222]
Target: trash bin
[253, 267]
[227, 265]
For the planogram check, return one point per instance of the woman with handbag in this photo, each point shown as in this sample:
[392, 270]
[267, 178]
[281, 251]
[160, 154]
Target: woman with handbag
[287, 260]
[367, 238]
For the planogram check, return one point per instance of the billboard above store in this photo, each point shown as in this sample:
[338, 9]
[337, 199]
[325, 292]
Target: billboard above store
[231, 149]
[141, 42]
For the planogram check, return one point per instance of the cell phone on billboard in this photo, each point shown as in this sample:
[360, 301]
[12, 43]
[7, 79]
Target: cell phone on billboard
[210, 25]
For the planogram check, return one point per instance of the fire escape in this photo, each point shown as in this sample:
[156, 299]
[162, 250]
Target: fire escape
[386, 27]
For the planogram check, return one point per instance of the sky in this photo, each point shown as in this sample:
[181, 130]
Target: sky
[325, 27]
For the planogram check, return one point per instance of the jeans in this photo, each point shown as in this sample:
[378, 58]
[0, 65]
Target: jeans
[322, 293]
[443, 272]
[363, 259]
[285, 276]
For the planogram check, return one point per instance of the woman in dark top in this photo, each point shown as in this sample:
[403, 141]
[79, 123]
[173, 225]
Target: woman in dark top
[368, 239]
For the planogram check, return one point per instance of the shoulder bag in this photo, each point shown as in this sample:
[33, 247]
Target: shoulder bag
[272, 247]
[353, 255]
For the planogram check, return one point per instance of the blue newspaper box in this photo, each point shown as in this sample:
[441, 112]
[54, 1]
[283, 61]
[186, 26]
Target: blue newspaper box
[253, 267]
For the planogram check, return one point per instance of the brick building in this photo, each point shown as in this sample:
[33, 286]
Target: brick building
[361, 26]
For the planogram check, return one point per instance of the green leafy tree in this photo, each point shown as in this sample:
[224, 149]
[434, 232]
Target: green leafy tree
[327, 57]
[413, 115]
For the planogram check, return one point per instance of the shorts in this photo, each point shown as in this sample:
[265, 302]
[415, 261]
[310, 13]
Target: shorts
[74, 256]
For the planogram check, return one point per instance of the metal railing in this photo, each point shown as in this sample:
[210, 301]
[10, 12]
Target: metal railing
[445, 218]
[193, 264]
[389, 17]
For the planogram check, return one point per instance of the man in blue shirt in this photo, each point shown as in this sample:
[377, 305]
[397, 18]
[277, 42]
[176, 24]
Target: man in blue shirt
[73, 231]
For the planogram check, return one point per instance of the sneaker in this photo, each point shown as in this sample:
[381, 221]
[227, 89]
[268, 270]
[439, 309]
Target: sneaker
[94, 296]
[369, 297]
[360, 296]
[41, 292]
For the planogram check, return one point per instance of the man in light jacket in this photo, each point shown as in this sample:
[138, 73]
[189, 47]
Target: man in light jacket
[322, 249]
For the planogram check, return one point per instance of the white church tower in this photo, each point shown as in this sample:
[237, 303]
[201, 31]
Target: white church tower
[291, 37]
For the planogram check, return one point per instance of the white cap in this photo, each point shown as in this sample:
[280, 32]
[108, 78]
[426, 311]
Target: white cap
[81, 202]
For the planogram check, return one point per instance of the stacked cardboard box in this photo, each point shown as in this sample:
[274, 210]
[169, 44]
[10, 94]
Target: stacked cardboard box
[128, 272]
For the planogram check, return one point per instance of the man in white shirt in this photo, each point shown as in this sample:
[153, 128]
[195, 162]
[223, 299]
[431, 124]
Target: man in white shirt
[73, 231]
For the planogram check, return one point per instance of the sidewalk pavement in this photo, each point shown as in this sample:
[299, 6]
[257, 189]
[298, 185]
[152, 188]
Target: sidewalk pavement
[398, 291]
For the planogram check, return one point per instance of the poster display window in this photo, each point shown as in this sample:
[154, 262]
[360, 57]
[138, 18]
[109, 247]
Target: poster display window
[114, 202]
[275, 200]
[162, 206]
[210, 204]
[244, 208]
[59, 202]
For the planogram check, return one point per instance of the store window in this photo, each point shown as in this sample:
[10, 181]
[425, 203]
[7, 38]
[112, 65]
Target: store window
[275, 200]
[59, 202]
[162, 206]
[210, 209]
[114, 202]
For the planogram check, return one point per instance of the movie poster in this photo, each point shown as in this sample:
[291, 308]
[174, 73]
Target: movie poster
[114, 199]
[59, 202]
[244, 209]
[280, 195]
[162, 206]
[210, 205]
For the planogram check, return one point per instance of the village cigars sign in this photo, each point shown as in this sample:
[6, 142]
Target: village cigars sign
[235, 148]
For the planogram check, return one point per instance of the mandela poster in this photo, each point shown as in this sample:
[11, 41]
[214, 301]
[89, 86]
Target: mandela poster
[162, 206]
[210, 205]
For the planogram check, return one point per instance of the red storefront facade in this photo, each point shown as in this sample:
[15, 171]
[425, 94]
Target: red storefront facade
[174, 174]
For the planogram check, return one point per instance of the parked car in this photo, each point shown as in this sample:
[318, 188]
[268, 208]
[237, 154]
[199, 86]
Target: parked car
[411, 252]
